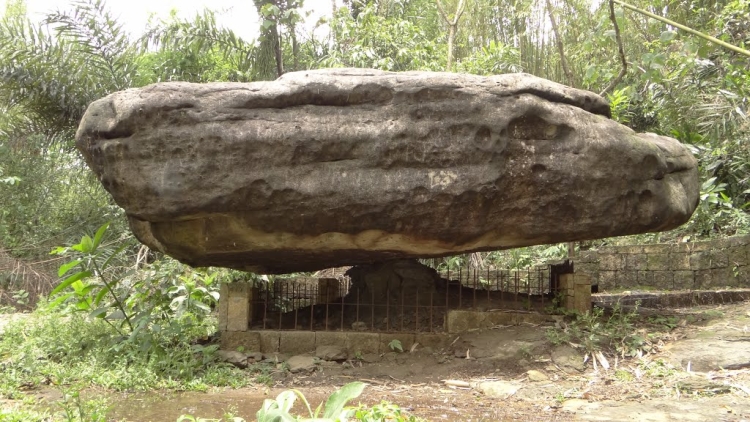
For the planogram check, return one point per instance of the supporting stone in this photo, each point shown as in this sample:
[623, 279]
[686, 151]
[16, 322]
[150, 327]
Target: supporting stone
[241, 341]
[235, 305]
[576, 290]
[363, 343]
[270, 341]
[297, 342]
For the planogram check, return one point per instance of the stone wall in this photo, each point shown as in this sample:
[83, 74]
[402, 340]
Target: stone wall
[708, 265]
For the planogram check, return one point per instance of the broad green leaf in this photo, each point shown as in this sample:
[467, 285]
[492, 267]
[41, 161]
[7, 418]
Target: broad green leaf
[60, 299]
[67, 266]
[176, 302]
[202, 306]
[99, 312]
[70, 280]
[667, 36]
[708, 183]
[85, 289]
[271, 411]
[85, 246]
[341, 397]
[59, 250]
[100, 296]
[83, 305]
[286, 400]
[99, 235]
[116, 315]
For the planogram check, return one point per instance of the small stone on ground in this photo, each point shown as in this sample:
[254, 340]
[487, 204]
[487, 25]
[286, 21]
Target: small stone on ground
[331, 353]
[301, 363]
[568, 359]
[237, 359]
[498, 389]
[537, 376]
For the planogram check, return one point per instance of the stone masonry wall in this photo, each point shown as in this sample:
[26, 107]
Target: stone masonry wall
[707, 265]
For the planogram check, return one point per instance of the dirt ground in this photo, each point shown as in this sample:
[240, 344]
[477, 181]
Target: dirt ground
[484, 376]
[698, 369]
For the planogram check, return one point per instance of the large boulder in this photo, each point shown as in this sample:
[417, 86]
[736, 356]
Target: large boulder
[347, 166]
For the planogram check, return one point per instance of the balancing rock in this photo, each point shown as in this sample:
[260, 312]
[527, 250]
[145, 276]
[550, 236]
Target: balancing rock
[347, 166]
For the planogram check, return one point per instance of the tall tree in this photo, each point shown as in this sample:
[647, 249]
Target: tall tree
[269, 63]
[571, 80]
[452, 22]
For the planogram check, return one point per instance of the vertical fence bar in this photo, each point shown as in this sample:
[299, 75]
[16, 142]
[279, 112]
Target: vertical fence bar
[278, 308]
[341, 293]
[432, 326]
[501, 274]
[313, 301]
[401, 323]
[357, 305]
[540, 279]
[447, 289]
[474, 293]
[295, 305]
[265, 305]
[460, 286]
[326, 299]
[515, 290]
[388, 309]
[372, 312]
[487, 286]
[528, 289]
[416, 313]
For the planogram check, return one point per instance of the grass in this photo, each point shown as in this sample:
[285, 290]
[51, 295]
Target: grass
[618, 331]
[61, 350]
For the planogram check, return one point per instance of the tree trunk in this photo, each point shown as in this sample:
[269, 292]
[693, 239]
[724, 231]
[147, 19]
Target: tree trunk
[295, 50]
[560, 48]
[266, 64]
[452, 27]
[451, 38]
[277, 50]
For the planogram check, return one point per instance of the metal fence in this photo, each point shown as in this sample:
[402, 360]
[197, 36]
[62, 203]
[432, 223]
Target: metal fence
[336, 303]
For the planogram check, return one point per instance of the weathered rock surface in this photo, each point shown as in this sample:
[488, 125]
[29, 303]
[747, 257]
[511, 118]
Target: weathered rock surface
[728, 349]
[348, 166]
[568, 359]
[331, 353]
[380, 282]
[498, 389]
[301, 363]
[536, 376]
[237, 359]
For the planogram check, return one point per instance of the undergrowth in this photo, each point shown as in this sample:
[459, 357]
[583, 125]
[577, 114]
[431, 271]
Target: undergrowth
[58, 349]
[617, 331]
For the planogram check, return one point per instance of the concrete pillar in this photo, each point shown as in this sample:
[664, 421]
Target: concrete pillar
[576, 291]
[235, 305]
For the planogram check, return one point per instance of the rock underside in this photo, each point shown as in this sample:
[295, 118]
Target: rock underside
[350, 166]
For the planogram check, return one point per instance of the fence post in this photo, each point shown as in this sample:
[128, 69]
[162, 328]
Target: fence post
[576, 290]
[234, 306]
